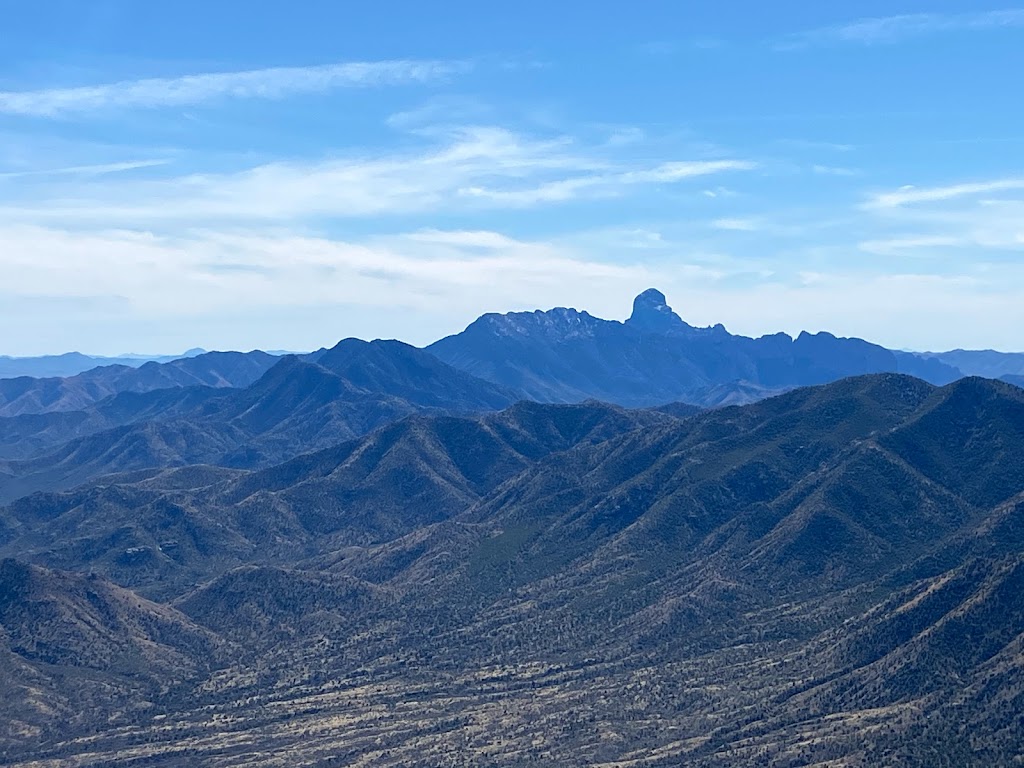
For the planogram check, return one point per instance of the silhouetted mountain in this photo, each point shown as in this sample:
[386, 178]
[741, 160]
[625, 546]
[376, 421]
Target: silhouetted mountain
[213, 369]
[654, 357]
[678, 410]
[138, 446]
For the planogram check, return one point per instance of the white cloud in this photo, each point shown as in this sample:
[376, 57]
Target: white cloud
[272, 83]
[464, 238]
[832, 170]
[685, 170]
[893, 29]
[831, 146]
[965, 217]
[203, 273]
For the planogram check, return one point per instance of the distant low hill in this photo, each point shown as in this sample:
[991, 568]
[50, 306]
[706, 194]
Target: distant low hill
[73, 363]
[987, 363]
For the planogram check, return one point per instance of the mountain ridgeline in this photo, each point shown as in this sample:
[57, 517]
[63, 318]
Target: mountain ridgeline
[548, 540]
[655, 357]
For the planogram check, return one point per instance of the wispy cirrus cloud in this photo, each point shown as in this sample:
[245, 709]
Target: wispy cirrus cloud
[269, 83]
[470, 168]
[885, 30]
[897, 246]
[976, 218]
[607, 183]
[99, 169]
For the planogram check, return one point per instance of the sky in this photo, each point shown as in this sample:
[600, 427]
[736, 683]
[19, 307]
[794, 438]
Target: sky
[281, 175]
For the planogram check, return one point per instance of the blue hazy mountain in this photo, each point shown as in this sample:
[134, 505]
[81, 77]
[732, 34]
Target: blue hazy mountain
[73, 363]
[979, 362]
[564, 355]
[559, 355]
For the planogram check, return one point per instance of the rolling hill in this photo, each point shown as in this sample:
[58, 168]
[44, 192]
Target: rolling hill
[829, 576]
[294, 407]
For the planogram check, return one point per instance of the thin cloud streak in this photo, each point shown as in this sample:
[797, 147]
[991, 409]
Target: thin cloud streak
[911, 195]
[901, 245]
[606, 184]
[959, 218]
[271, 83]
[887, 30]
[87, 170]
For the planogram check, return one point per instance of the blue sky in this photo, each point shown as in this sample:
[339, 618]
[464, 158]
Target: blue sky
[282, 175]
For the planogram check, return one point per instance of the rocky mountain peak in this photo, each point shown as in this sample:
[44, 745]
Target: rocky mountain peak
[651, 312]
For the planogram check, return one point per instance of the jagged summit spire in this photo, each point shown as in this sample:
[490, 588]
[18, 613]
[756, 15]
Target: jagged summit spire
[651, 312]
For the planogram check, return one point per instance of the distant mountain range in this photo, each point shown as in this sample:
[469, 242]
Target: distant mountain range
[247, 410]
[550, 539]
[561, 355]
[564, 355]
